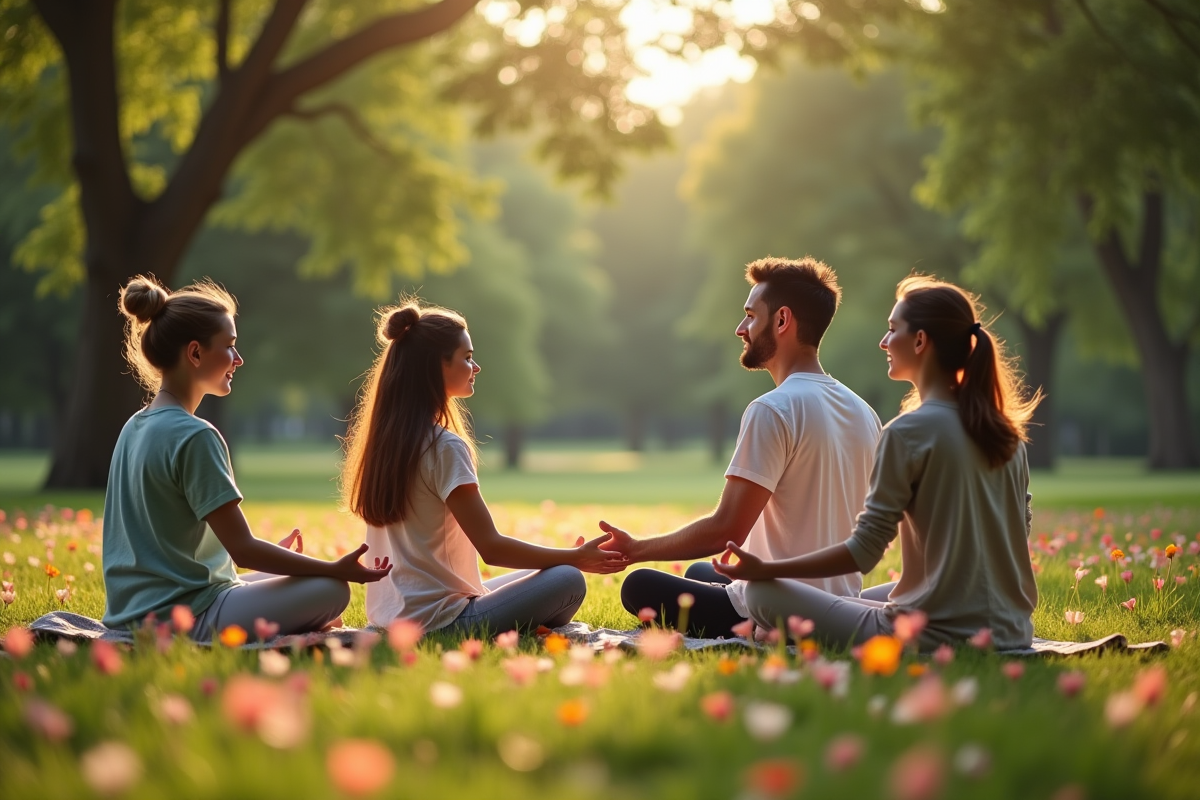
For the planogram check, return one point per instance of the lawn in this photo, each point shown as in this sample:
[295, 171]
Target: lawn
[186, 721]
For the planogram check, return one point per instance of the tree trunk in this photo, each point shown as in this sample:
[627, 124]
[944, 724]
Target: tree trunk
[1163, 362]
[1039, 348]
[101, 397]
[514, 443]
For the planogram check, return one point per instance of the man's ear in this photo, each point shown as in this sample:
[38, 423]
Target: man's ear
[783, 319]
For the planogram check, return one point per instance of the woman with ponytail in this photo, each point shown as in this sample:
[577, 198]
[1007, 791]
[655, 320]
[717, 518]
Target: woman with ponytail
[950, 477]
[174, 531]
[410, 475]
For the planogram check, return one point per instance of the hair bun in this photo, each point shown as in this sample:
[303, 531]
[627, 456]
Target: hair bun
[399, 321]
[143, 298]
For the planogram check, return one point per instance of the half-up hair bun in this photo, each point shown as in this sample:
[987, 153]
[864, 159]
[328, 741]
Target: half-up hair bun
[399, 322]
[143, 298]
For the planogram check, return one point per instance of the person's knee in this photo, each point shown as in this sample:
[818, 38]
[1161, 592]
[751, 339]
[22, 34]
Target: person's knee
[700, 571]
[570, 579]
[331, 594]
[637, 589]
[762, 600]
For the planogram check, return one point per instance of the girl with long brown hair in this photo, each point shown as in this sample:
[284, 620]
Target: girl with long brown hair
[173, 524]
[950, 476]
[410, 475]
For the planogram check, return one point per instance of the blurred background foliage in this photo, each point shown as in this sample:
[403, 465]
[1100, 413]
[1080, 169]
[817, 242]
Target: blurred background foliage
[613, 318]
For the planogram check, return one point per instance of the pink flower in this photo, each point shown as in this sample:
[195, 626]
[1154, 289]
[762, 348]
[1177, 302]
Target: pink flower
[8, 597]
[1073, 617]
[445, 695]
[1150, 685]
[359, 767]
[1177, 636]
[918, 774]
[656, 643]
[1102, 582]
[799, 627]
[1013, 670]
[403, 634]
[1127, 575]
[22, 681]
[843, 752]
[744, 629]
[47, 721]
[981, 640]
[175, 709]
[1130, 603]
[908, 627]
[1121, 709]
[521, 669]
[1079, 573]
[647, 615]
[183, 619]
[717, 705]
[508, 640]
[455, 661]
[247, 699]
[1180, 580]
[110, 768]
[1071, 683]
[264, 630]
[925, 701]
[943, 655]
[1158, 584]
[106, 657]
[18, 642]
[472, 648]
[208, 686]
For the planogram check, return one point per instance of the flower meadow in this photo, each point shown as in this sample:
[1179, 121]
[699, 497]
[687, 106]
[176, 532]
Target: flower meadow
[403, 713]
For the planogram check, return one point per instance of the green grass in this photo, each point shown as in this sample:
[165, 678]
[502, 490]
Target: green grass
[638, 740]
[598, 472]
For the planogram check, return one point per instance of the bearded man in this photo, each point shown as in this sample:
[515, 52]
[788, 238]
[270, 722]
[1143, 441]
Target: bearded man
[800, 471]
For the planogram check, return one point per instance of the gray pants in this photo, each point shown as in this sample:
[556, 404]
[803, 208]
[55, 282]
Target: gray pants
[297, 605]
[524, 599]
[838, 621]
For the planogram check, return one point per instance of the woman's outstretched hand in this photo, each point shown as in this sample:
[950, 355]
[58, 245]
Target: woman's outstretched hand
[293, 538]
[590, 558]
[748, 567]
[347, 567]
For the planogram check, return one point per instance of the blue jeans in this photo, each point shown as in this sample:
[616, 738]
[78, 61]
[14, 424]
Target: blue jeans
[524, 599]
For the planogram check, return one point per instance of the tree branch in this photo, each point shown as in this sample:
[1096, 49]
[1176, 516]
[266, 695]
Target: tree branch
[1153, 224]
[1105, 35]
[353, 121]
[343, 55]
[222, 32]
[1173, 14]
[1169, 15]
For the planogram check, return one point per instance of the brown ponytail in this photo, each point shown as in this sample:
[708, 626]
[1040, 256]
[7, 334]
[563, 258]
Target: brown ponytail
[159, 323]
[993, 402]
[403, 398]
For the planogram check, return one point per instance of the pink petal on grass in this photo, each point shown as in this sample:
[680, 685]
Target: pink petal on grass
[799, 627]
[472, 648]
[106, 657]
[1122, 708]
[1177, 637]
[647, 615]
[843, 752]
[18, 642]
[1150, 685]
[111, 768]
[1102, 582]
[982, 639]
[1071, 683]
[943, 655]
[918, 774]
[48, 721]
[264, 630]
[1013, 670]
[1130, 603]
[359, 767]
[508, 640]
[744, 629]
[717, 705]
[774, 777]
[907, 627]
[925, 701]
[1073, 617]
[183, 619]
[656, 643]
[403, 634]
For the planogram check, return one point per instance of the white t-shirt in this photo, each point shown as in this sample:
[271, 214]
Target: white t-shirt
[811, 441]
[437, 567]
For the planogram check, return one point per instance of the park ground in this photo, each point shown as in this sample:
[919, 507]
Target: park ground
[546, 720]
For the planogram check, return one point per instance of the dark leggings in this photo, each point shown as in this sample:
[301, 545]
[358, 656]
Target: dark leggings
[711, 616]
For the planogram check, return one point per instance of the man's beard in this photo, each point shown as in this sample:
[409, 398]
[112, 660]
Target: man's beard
[760, 350]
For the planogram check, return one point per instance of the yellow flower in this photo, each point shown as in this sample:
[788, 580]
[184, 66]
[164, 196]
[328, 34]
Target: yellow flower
[233, 636]
[1171, 550]
[881, 655]
[1117, 554]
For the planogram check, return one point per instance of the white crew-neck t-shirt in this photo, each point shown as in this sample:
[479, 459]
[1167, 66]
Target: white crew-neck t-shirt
[811, 441]
[437, 567]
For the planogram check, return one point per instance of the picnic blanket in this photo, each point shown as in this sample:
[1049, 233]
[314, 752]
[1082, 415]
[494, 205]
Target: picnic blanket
[76, 627]
[606, 637]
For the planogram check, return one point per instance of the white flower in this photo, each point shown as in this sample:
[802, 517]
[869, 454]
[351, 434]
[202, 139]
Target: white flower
[766, 721]
[445, 695]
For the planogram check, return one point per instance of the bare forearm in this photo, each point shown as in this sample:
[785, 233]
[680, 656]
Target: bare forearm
[826, 563]
[699, 539]
[504, 551]
[261, 556]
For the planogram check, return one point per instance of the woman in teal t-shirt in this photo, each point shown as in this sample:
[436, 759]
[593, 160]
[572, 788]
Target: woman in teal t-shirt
[174, 531]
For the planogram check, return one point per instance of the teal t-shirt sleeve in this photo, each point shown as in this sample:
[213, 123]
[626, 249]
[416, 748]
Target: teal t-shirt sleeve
[205, 473]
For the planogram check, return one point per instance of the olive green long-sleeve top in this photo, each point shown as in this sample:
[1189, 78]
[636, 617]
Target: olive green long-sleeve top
[963, 525]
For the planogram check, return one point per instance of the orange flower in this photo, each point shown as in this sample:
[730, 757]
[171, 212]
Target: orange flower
[572, 712]
[881, 655]
[775, 777]
[556, 644]
[1117, 554]
[359, 767]
[84, 516]
[233, 636]
[727, 666]
[1098, 513]
[917, 670]
[51, 571]
[1171, 550]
